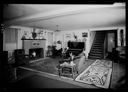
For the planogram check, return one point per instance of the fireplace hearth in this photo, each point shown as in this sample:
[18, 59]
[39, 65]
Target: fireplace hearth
[36, 53]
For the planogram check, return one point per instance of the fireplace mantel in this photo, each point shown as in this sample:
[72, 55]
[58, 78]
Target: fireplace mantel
[33, 39]
[33, 43]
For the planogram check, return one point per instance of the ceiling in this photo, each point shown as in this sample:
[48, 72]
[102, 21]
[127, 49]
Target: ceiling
[67, 17]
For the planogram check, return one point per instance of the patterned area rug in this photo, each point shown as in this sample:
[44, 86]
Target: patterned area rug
[98, 74]
[47, 65]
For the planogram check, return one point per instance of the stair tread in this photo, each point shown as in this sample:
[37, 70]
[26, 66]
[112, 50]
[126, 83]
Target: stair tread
[96, 55]
[100, 44]
[95, 58]
[96, 52]
[97, 44]
[97, 47]
[98, 41]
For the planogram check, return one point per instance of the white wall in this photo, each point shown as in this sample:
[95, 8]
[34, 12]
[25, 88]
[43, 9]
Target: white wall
[21, 31]
[91, 34]
[62, 37]
[29, 30]
[118, 32]
[91, 38]
[12, 46]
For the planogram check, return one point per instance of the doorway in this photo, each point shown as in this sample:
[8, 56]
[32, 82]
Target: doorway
[111, 43]
[111, 40]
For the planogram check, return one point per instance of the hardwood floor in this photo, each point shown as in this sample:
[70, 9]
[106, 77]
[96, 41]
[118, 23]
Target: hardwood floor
[117, 79]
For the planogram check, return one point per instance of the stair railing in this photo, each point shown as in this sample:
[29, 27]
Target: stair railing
[104, 47]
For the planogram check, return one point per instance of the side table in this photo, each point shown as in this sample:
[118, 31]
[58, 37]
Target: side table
[68, 70]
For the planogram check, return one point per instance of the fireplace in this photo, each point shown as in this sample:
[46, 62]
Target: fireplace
[37, 45]
[35, 53]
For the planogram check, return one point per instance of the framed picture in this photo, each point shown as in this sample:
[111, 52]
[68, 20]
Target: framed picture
[84, 34]
[36, 43]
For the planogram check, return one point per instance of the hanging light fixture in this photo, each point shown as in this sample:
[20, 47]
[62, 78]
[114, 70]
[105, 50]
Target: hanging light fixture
[57, 28]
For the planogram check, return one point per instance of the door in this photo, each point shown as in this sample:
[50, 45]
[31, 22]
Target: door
[111, 40]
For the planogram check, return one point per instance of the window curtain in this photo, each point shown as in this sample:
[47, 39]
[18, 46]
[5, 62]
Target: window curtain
[11, 35]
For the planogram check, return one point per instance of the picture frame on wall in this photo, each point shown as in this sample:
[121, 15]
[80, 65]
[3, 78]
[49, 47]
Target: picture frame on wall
[68, 35]
[84, 34]
[35, 43]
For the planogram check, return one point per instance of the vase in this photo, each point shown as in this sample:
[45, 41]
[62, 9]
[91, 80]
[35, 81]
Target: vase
[34, 35]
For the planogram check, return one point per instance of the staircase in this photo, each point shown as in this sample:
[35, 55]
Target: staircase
[97, 50]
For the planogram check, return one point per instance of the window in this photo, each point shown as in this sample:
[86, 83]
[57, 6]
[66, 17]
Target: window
[11, 35]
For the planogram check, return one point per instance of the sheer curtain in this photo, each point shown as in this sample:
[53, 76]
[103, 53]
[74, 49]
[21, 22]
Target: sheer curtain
[11, 35]
[10, 40]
